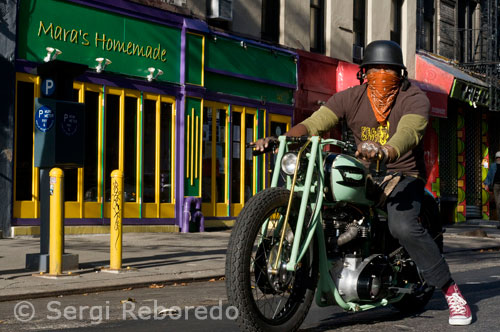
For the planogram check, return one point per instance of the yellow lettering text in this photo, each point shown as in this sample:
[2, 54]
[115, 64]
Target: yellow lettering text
[46, 31]
[118, 46]
[97, 40]
[85, 40]
[109, 44]
[149, 51]
[74, 36]
[66, 33]
[129, 47]
[156, 52]
[58, 33]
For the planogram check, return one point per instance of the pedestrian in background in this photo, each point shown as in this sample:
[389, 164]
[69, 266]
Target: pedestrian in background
[493, 181]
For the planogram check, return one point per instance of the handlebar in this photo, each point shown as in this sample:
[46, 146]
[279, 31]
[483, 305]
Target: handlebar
[273, 144]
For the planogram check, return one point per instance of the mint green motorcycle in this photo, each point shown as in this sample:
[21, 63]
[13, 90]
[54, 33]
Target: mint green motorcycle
[319, 232]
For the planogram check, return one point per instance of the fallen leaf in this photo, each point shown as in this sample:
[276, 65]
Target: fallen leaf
[222, 278]
[127, 300]
[183, 284]
[85, 294]
[156, 286]
[211, 280]
[127, 289]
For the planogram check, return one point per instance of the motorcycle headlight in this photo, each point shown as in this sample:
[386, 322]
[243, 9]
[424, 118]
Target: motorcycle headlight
[288, 163]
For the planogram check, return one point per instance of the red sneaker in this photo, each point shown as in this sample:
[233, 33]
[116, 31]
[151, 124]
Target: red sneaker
[459, 309]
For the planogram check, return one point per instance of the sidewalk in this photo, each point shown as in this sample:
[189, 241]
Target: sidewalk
[161, 258]
[156, 258]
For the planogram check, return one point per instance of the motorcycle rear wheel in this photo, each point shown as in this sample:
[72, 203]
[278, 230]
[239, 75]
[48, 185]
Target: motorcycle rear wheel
[266, 301]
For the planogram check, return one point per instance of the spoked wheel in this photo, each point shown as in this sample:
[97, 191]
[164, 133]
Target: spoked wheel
[268, 297]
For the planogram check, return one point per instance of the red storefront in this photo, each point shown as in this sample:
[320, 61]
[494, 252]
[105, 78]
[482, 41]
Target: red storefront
[458, 143]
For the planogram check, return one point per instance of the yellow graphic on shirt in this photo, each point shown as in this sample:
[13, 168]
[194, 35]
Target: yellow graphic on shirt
[379, 134]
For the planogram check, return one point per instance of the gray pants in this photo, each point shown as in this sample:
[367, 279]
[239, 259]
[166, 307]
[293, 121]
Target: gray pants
[403, 208]
[496, 192]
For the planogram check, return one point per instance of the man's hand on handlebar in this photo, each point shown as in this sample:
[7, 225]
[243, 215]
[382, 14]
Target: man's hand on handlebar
[373, 151]
[264, 145]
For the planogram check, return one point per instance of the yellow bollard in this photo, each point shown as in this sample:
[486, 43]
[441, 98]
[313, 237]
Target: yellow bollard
[56, 221]
[115, 260]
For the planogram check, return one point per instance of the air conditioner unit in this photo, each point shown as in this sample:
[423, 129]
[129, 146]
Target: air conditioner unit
[220, 10]
[357, 53]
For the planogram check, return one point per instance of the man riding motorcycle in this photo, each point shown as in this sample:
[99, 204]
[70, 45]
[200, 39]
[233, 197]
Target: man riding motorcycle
[388, 117]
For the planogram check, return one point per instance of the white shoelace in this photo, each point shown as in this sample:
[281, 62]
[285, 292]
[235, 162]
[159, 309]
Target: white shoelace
[457, 304]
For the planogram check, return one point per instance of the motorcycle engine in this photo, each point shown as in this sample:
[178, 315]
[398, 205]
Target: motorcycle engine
[358, 275]
[342, 225]
[360, 279]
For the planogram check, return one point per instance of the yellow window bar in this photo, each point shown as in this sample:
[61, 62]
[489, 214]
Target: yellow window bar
[188, 145]
[192, 145]
[18, 210]
[171, 101]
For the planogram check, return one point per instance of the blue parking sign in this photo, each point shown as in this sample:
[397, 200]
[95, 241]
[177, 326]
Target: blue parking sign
[48, 87]
[44, 118]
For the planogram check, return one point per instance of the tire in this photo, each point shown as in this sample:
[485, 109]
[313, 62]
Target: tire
[268, 302]
[430, 220]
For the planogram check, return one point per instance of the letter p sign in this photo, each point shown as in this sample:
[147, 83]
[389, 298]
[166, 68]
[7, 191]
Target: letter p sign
[48, 87]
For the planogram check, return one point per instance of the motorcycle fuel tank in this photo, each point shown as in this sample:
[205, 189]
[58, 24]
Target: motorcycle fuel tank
[347, 179]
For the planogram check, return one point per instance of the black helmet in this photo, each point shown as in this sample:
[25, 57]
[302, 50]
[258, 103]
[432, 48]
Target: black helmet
[383, 52]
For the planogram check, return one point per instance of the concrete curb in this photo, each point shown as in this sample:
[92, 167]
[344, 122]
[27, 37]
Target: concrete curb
[107, 288]
[479, 223]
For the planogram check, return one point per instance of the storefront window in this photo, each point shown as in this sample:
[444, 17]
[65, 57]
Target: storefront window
[91, 146]
[24, 141]
[220, 150]
[71, 174]
[112, 120]
[166, 152]
[206, 185]
[130, 150]
[236, 158]
[249, 170]
[149, 152]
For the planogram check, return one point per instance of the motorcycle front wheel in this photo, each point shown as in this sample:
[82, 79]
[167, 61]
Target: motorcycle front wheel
[268, 297]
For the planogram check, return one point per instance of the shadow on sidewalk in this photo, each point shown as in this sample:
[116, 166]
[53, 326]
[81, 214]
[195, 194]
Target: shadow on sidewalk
[158, 260]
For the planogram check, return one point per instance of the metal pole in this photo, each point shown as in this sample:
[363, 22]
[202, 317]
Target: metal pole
[56, 221]
[115, 261]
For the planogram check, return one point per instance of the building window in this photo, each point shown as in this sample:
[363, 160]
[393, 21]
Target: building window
[271, 20]
[358, 28]
[396, 20]
[317, 26]
[428, 26]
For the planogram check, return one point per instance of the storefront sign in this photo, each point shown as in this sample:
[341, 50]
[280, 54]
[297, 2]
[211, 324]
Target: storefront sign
[472, 94]
[83, 34]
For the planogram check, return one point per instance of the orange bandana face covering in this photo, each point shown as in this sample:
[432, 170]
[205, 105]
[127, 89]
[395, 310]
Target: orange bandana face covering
[383, 87]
